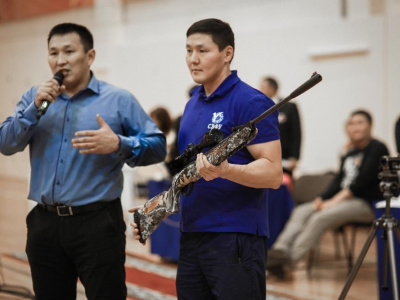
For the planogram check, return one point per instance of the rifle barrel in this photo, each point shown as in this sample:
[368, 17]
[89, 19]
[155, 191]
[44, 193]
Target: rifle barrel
[315, 78]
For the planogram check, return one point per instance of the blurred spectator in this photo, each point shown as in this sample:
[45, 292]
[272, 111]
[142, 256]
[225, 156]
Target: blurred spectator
[348, 198]
[289, 129]
[158, 172]
[163, 120]
[173, 150]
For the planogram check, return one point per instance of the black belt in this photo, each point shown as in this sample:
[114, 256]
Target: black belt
[65, 210]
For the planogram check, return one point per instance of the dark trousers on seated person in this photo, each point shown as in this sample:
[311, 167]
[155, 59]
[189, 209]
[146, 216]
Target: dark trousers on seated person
[221, 266]
[89, 245]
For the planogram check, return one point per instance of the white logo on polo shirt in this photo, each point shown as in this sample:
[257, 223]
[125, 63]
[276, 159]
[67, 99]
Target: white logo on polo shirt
[216, 120]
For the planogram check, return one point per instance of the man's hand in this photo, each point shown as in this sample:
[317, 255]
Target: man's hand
[101, 141]
[317, 203]
[340, 196]
[328, 203]
[321, 205]
[134, 225]
[209, 171]
[48, 91]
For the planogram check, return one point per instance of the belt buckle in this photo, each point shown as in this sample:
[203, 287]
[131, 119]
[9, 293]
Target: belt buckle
[64, 211]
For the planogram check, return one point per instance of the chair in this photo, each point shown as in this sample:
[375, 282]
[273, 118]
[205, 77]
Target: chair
[349, 251]
[306, 188]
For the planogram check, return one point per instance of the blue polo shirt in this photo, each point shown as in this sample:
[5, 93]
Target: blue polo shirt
[221, 205]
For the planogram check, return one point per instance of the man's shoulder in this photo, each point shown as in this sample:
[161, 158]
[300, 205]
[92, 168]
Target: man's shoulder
[378, 145]
[246, 92]
[245, 87]
[111, 88]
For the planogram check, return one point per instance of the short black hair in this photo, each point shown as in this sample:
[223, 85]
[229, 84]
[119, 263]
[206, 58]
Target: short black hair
[221, 32]
[162, 118]
[272, 82]
[65, 28]
[366, 114]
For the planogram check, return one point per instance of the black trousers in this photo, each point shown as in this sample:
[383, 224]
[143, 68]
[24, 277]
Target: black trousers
[89, 246]
[216, 265]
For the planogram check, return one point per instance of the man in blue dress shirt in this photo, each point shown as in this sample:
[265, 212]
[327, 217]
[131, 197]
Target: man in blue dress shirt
[77, 150]
[224, 221]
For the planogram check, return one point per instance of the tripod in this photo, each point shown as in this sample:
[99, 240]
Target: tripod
[389, 224]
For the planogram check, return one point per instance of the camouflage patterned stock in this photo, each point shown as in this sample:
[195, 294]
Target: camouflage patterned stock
[166, 203]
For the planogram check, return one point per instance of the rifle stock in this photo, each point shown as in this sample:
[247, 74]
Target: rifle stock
[155, 210]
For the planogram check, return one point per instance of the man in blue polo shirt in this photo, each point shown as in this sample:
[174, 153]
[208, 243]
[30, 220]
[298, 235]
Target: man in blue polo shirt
[224, 220]
[77, 150]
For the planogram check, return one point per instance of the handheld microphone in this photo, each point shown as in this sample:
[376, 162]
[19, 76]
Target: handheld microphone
[59, 76]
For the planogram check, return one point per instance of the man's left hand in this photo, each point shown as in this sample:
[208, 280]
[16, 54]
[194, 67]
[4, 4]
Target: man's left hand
[101, 141]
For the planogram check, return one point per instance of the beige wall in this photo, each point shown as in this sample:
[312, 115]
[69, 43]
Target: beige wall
[141, 47]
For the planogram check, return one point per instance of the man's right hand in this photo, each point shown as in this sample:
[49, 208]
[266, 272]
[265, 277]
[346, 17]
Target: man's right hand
[49, 91]
[134, 225]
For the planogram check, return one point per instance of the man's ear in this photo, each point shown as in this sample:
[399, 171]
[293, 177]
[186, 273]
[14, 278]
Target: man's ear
[229, 53]
[91, 55]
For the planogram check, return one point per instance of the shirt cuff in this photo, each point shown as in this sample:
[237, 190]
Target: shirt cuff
[30, 112]
[128, 147]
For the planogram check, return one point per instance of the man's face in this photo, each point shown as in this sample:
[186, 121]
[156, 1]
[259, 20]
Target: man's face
[66, 54]
[204, 60]
[358, 128]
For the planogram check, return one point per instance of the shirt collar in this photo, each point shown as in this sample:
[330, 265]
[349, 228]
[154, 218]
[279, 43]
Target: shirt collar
[94, 86]
[222, 89]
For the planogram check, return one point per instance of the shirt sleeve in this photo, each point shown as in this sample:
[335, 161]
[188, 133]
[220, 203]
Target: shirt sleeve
[17, 130]
[333, 188]
[368, 172]
[267, 127]
[141, 143]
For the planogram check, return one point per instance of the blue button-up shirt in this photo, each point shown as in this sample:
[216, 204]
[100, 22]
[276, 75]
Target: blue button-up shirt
[59, 173]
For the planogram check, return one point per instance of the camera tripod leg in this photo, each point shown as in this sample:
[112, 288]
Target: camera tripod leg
[393, 262]
[397, 231]
[359, 261]
[385, 273]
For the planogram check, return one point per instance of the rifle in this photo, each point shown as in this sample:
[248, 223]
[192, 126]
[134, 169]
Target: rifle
[166, 203]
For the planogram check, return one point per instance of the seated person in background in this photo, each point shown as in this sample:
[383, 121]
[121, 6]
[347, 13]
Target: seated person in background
[289, 129]
[348, 198]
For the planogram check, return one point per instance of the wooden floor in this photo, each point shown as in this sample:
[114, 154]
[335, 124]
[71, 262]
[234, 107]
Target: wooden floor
[326, 281]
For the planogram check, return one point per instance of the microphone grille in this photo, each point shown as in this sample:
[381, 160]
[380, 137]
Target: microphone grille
[59, 76]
